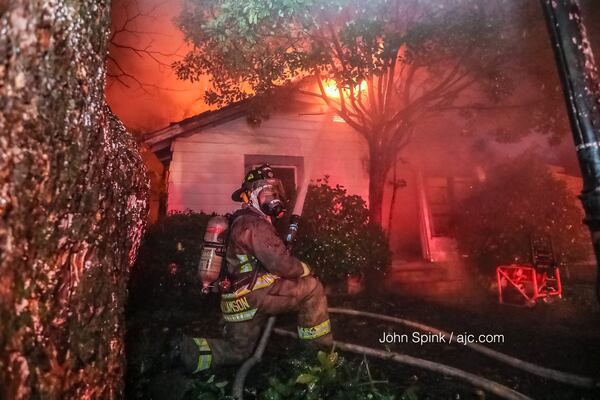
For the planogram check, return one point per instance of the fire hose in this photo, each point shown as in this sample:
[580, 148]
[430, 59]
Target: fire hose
[240, 377]
[548, 373]
[483, 383]
[488, 385]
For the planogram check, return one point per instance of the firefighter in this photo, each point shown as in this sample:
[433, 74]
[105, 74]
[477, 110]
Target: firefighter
[265, 280]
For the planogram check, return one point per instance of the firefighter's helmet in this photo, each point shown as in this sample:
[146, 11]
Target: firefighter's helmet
[261, 190]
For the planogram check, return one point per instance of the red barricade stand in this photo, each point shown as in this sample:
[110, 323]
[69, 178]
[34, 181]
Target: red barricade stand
[522, 284]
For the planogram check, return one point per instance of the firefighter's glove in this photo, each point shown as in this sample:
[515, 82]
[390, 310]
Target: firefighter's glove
[306, 270]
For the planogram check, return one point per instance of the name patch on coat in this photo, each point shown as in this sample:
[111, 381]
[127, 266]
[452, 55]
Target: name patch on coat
[234, 306]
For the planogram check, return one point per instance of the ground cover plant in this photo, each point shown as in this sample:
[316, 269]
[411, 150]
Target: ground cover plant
[306, 375]
[288, 372]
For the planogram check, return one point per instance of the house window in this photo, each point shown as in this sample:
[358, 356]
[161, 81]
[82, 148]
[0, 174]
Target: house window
[287, 174]
[290, 169]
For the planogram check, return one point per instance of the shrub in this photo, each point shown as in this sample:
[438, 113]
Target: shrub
[165, 272]
[335, 238]
[328, 377]
[302, 376]
[519, 200]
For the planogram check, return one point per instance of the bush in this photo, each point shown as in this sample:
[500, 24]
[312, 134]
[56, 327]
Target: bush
[334, 236]
[165, 272]
[328, 377]
[519, 200]
[302, 376]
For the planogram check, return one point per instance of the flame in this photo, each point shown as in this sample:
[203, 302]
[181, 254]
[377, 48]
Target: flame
[332, 91]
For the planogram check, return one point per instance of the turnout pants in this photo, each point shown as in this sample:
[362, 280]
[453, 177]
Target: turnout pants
[245, 313]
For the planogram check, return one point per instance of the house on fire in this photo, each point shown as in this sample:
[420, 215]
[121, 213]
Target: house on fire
[206, 156]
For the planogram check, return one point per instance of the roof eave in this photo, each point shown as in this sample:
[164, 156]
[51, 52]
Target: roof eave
[162, 138]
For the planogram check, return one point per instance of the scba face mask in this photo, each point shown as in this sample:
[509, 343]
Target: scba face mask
[268, 198]
[270, 203]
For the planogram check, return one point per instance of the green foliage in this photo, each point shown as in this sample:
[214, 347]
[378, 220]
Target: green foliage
[296, 376]
[330, 377]
[165, 273]
[252, 46]
[519, 200]
[335, 237]
[395, 63]
[439, 48]
[209, 390]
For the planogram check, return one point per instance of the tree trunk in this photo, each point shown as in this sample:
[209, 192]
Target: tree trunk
[73, 201]
[395, 186]
[378, 168]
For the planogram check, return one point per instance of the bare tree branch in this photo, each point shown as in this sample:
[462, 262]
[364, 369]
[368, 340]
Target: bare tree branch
[121, 47]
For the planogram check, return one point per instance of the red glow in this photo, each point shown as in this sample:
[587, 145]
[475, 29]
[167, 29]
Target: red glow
[163, 98]
[529, 283]
[172, 268]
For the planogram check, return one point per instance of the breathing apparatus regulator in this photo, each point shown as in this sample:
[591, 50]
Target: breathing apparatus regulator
[259, 190]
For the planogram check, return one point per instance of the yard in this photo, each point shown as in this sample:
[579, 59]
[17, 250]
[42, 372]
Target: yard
[433, 143]
[562, 335]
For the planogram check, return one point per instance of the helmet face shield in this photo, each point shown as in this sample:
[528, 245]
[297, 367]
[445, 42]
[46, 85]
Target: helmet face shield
[272, 187]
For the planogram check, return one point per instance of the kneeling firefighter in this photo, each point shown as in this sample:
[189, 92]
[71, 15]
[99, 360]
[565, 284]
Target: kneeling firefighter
[264, 280]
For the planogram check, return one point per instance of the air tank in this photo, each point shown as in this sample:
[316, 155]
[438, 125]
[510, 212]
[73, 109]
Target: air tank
[213, 251]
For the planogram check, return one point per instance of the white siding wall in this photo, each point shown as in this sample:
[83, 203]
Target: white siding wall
[208, 166]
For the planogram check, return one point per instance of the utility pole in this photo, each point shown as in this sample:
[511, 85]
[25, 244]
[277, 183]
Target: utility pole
[581, 86]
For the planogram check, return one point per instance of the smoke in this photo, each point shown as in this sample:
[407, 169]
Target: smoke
[142, 89]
